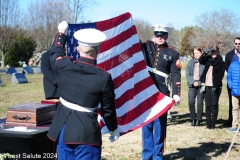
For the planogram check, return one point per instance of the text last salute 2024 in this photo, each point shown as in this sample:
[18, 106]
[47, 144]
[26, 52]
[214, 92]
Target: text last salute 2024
[35, 156]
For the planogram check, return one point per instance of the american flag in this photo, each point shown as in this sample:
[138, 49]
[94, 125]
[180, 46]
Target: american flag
[137, 101]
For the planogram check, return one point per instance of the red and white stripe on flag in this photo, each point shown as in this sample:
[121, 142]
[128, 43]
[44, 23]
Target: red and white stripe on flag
[138, 100]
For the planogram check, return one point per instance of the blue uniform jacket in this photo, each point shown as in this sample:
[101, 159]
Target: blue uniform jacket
[83, 83]
[49, 79]
[166, 60]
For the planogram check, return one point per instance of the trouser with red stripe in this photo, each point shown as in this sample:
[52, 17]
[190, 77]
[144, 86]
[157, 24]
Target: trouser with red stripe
[153, 136]
[77, 151]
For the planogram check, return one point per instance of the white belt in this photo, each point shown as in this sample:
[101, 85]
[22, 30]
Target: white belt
[154, 70]
[75, 106]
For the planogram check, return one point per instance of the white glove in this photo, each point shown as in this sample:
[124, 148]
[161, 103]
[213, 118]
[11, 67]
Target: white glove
[177, 99]
[62, 27]
[114, 135]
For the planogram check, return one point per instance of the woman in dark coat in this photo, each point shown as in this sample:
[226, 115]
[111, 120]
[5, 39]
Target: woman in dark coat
[212, 76]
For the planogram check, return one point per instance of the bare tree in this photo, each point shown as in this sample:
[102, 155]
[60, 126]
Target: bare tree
[10, 11]
[42, 19]
[216, 27]
[78, 8]
[145, 32]
[175, 38]
[144, 29]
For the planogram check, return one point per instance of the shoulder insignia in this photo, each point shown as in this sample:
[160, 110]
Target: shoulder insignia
[178, 63]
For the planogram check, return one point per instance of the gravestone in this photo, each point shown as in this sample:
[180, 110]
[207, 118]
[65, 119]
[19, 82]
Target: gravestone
[18, 78]
[10, 71]
[28, 70]
[39, 70]
[3, 120]
[1, 82]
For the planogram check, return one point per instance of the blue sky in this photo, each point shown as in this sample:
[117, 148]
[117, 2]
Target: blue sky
[177, 13]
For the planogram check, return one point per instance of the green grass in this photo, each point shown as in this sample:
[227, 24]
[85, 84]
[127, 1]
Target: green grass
[183, 141]
[11, 94]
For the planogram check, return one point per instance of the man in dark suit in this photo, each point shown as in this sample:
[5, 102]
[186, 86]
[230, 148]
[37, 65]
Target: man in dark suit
[228, 60]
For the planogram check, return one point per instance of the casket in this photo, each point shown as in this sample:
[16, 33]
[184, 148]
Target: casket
[31, 114]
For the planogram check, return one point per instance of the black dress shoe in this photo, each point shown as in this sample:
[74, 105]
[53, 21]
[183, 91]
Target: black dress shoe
[198, 123]
[193, 123]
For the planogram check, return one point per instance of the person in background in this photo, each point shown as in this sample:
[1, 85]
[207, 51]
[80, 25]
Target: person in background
[233, 79]
[7, 67]
[212, 76]
[194, 71]
[30, 62]
[82, 87]
[228, 60]
[49, 79]
[162, 62]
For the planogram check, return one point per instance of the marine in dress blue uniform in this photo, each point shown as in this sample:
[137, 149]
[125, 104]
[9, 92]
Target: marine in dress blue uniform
[165, 69]
[82, 87]
[49, 79]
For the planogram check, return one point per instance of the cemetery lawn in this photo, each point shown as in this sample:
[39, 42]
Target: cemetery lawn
[183, 141]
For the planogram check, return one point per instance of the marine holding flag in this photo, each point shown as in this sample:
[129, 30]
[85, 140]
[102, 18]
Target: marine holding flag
[137, 99]
[82, 86]
[49, 79]
[164, 67]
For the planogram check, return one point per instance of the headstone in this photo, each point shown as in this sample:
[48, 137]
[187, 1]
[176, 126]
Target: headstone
[28, 70]
[19, 78]
[10, 71]
[2, 122]
[39, 69]
[1, 82]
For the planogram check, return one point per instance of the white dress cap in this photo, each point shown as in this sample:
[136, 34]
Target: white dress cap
[90, 37]
[160, 27]
[63, 25]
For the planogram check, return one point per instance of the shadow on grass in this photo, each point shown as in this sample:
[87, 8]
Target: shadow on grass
[199, 153]
[179, 118]
[185, 118]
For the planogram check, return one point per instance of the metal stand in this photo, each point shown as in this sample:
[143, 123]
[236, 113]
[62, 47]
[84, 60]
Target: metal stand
[233, 140]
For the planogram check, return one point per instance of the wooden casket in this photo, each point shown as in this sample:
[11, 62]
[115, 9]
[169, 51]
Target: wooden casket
[31, 114]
